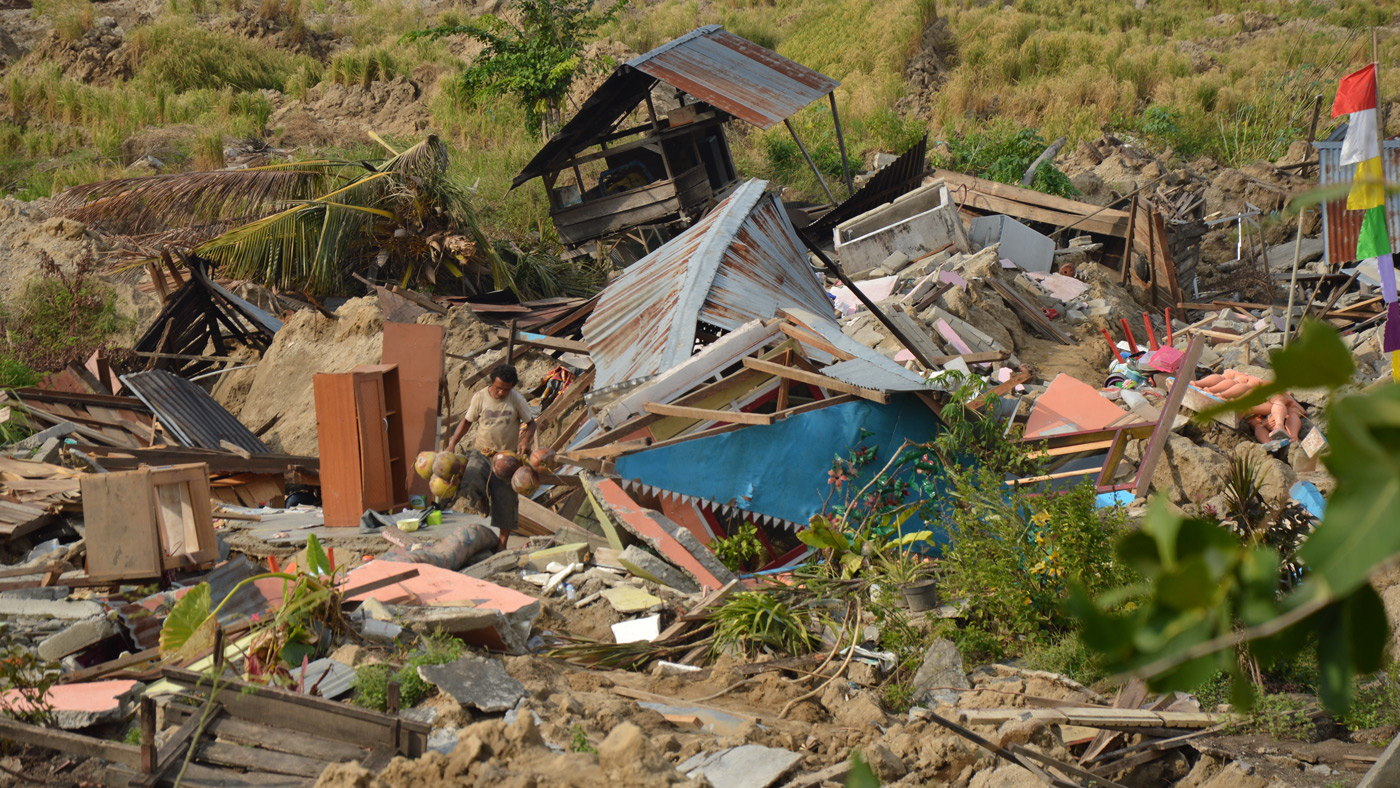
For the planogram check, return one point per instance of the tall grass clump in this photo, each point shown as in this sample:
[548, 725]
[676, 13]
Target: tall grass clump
[185, 57]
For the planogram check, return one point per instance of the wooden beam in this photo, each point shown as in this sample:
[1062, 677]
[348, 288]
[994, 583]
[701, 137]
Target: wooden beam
[816, 379]
[546, 342]
[552, 522]
[1158, 442]
[705, 414]
[128, 755]
[974, 358]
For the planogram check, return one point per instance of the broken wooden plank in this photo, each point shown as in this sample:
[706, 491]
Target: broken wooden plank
[706, 414]
[546, 342]
[817, 379]
[1158, 442]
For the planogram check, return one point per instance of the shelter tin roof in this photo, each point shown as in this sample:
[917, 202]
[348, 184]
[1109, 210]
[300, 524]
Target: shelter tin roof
[710, 63]
[741, 262]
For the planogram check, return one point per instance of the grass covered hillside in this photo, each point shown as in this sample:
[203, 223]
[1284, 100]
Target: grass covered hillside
[99, 90]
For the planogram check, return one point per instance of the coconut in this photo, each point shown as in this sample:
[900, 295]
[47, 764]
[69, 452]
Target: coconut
[504, 465]
[525, 480]
[424, 464]
[543, 459]
[442, 489]
[447, 465]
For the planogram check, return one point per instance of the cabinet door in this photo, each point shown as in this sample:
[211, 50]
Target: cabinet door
[337, 435]
[377, 487]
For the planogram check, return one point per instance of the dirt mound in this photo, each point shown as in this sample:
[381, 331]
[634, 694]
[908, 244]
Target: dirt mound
[25, 231]
[97, 58]
[282, 31]
[396, 107]
[310, 343]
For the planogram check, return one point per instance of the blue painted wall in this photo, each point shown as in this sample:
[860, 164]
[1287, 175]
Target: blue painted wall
[780, 469]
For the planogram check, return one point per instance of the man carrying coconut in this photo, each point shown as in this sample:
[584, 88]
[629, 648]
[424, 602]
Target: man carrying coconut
[505, 423]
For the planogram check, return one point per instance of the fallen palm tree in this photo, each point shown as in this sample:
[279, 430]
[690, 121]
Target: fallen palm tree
[308, 226]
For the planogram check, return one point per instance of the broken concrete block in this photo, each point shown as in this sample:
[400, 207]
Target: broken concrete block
[479, 683]
[40, 608]
[638, 629]
[749, 766]
[630, 599]
[677, 544]
[563, 554]
[942, 667]
[606, 556]
[84, 704]
[76, 637]
[1314, 442]
[479, 612]
[648, 567]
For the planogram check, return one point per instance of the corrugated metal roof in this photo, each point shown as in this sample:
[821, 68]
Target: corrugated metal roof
[736, 75]
[1340, 227]
[741, 262]
[709, 63]
[191, 415]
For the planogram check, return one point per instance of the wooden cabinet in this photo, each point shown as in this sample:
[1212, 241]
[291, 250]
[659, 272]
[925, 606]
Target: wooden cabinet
[359, 429]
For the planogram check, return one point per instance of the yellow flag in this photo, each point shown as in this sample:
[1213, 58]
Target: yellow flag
[1368, 188]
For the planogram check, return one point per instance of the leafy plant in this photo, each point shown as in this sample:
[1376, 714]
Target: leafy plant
[22, 671]
[371, 686]
[1002, 151]
[59, 317]
[535, 59]
[739, 550]
[300, 626]
[437, 648]
[753, 621]
[1205, 595]
[848, 552]
[580, 741]
[1377, 701]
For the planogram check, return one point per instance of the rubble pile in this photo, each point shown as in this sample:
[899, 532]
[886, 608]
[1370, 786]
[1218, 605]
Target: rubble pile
[240, 550]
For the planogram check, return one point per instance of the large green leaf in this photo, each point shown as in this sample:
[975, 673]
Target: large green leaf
[189, 629]
[1359, 531]
[317, 563]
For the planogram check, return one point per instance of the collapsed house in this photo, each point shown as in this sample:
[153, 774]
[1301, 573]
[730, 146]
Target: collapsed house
[679, 163]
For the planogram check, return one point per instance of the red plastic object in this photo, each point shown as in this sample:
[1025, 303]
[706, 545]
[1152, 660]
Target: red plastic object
[1050, 312]
[1111, 344]
[1151, 335]
[1128, 335]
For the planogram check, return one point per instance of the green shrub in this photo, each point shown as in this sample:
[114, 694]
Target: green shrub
[1377, 701]
[371, 683]
[1068, 656]
[371, 686]
[739, 550]
[1001, 152]
[1014, 556]
[59, 317]
[15, 374]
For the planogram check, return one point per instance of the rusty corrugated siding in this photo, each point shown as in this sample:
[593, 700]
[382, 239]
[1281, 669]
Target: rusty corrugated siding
[709, 63]
[741, 262]
[736, 75]
[902, 176]
[1340, 227]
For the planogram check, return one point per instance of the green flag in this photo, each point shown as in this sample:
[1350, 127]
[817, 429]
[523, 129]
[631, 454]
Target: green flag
[1374, 239]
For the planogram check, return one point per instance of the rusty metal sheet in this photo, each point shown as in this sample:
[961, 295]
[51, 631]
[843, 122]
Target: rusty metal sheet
[1340, 227]
[709, 63]
[736, 75]
[741, 262]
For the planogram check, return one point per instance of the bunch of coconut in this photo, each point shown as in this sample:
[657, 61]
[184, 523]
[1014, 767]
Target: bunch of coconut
[443, 470]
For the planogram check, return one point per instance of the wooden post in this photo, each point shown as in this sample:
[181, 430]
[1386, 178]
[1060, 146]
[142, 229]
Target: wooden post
[391, 697]
[810, 163]
[841, 143]
[1128, 244]
[510, 342]
[148, 734]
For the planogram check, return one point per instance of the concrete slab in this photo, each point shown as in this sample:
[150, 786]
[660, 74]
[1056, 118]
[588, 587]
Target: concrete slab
[478, 683]
[76, 637]
[42, 608]
[678, 545]
[630, 599]
[648, 567]
[440, 596]
[1385, 772]
[749, 766]
[563, 554]
[78, 706]
[638, 629]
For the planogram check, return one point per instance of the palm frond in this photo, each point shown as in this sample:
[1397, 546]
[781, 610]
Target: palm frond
[304, 247]
[156, 203]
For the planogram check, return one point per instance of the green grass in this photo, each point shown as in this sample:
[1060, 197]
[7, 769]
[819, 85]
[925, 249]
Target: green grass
[1072, 67]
